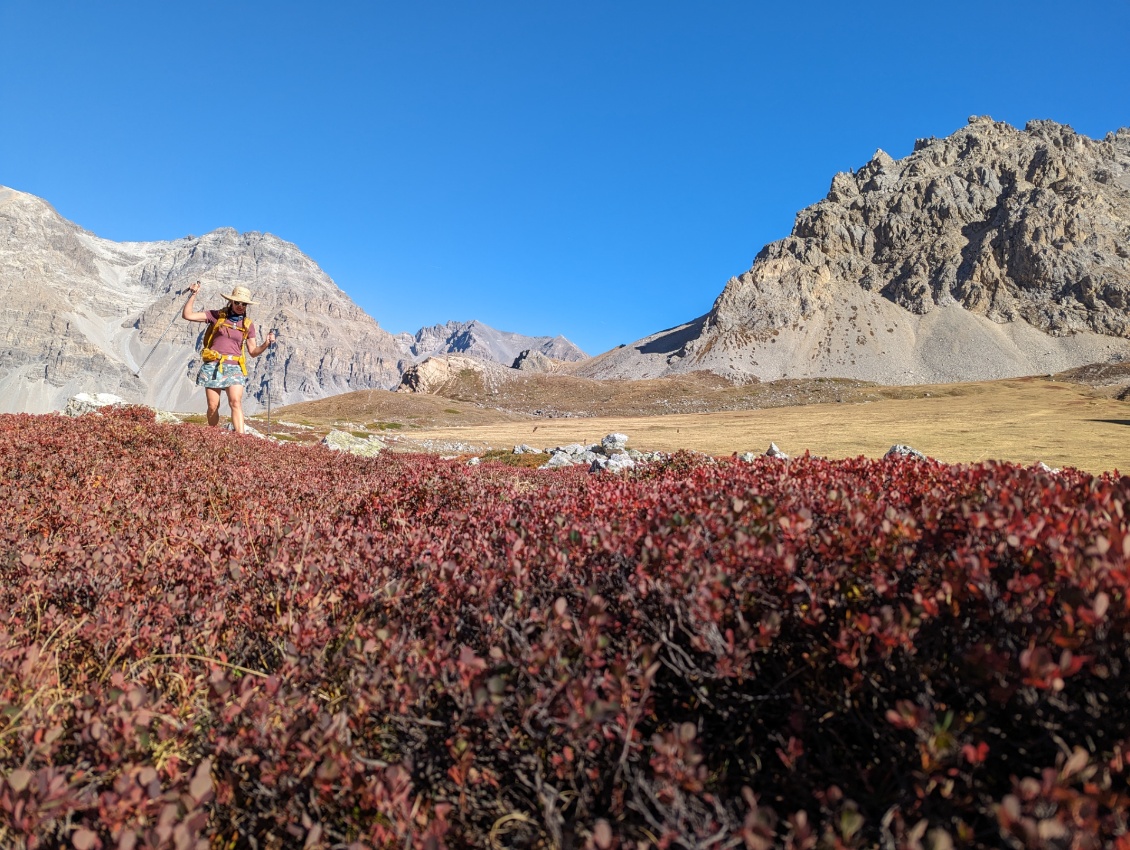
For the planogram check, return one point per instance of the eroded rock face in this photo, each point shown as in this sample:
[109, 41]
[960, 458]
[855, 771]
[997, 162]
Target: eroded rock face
[1029, 225]
[533, 361]
[993, 252]
[80, 311]
[436, 373]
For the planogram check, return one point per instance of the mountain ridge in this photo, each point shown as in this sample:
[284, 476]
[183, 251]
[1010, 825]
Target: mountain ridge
[83, 313]
[476, 339]
[990, 253]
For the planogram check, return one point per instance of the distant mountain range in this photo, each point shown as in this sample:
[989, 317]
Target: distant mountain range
[83, 313]
[474, 339]
[994, 252]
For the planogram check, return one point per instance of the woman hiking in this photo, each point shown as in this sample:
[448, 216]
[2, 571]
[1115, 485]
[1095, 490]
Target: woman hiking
[226, 344]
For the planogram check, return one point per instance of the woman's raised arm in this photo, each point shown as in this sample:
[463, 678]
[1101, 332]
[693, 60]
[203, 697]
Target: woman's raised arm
[188, 313]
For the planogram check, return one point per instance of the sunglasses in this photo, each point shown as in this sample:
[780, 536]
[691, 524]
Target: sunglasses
[239, 303]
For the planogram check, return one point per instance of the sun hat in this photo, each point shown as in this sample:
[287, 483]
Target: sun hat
[240, 293]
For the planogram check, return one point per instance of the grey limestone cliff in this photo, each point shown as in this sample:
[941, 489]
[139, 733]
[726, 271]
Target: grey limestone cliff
[81, 313]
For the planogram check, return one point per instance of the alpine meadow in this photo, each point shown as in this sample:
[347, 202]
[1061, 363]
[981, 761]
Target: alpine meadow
[525, 426]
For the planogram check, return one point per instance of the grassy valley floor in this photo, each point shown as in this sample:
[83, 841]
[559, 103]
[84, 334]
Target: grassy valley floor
[1025, 421]
[1067, 420]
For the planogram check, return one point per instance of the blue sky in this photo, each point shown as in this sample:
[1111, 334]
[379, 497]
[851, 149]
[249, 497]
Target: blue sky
[594, 169]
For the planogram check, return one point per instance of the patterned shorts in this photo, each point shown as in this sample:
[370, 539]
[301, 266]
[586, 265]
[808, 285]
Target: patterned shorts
[214, 378]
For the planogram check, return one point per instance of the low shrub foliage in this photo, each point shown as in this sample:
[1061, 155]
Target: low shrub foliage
[217, 642]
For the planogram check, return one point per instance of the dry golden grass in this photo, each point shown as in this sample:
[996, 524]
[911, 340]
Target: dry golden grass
[1023, 420]
[1074, 419]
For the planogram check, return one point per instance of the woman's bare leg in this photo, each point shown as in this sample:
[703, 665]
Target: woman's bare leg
[235, 402]
[213, 397]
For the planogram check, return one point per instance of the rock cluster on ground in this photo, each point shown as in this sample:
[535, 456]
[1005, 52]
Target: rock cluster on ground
[992, 253]
[772, 451]
[611, 454]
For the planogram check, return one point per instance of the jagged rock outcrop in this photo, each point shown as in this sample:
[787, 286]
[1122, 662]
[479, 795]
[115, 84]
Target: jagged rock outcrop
[442, 373]
[81, 312]
[474, 339]
[993, 252]
[534, 361]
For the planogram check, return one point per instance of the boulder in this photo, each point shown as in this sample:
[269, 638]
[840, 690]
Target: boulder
[91, 402]
[899, 450]
[557, 460]
[343, 441]
[614, 443]
[618, 462]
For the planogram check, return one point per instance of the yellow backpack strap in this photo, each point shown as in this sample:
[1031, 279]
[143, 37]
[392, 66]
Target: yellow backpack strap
[210, 334]
[243, 346]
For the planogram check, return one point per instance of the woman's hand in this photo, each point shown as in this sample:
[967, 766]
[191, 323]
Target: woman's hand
[270, 338]
[188, 313]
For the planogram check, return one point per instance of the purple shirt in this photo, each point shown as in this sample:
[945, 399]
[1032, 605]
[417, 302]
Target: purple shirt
[228, 340]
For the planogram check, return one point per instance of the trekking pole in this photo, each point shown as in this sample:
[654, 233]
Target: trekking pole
[270, 369]
[137, 372]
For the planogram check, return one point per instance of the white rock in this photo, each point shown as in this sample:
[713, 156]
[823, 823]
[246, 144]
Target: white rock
[343, 441]
[557, 460]
[618, 462]
[899, 450]
[90, 402]
[614, 443]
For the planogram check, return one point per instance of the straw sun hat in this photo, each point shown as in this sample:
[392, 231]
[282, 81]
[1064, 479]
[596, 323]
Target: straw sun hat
[240, 293]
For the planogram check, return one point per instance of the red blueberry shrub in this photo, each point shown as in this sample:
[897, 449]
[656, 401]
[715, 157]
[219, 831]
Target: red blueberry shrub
[217, 642]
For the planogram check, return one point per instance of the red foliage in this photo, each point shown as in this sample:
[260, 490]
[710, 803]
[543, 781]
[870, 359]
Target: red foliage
[211, 641]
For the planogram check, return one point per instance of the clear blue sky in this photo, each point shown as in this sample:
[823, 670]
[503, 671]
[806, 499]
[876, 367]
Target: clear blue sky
[594, 169]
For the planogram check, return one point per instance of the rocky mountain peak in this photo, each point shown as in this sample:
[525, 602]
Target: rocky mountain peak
[990, 252]
[83, 313]
[475, 339]
[1013, 225]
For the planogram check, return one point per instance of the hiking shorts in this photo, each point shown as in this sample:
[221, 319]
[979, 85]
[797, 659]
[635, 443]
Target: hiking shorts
[219, 375]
